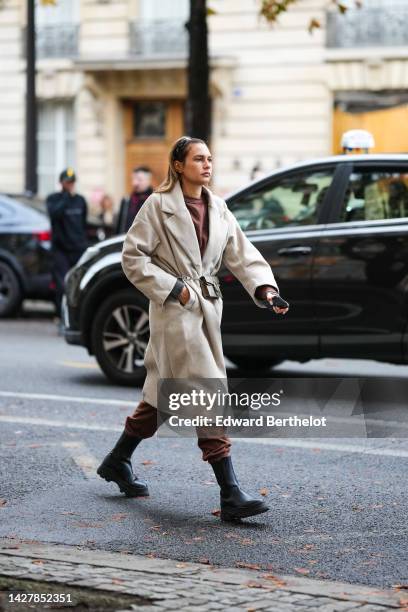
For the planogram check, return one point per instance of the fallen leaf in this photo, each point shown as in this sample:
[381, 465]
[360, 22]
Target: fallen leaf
[35, 445]
[400, 587]
[246, 542]
[83, 524]
[301, 570]
[216, 512]
[204, 560]
[403, 602]
[275, 580]
[151, 555]
[147, 462]
[263, 491]
[180, 564]
[117, 581]
[255, 585]
[119, 516]
[71, 513]
[38, 562]
[247, 565]
[3, 502]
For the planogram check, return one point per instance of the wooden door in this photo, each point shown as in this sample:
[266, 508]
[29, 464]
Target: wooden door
[151, 127]
[388, 126]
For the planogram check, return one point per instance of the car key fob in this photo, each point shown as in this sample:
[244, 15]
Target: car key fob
[277, 301]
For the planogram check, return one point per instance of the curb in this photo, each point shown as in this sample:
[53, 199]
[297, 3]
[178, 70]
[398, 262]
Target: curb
[261, 582]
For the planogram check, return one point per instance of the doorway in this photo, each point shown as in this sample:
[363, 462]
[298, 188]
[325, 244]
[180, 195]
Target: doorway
[151, 127]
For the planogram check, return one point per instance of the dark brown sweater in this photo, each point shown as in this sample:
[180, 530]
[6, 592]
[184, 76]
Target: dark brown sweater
[198, 209]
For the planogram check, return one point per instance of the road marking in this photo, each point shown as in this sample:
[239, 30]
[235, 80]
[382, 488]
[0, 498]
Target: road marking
[282, 443]
[51, 423]
[328, 446]
[67, 398]
[79, 364]
[81, 456]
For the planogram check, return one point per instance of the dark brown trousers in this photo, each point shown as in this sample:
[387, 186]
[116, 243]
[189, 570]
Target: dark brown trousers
[143, 424]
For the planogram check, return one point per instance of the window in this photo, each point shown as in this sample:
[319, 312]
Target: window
[56, 143]
[57, 29]
[374, 195]
[165, 9]
[292, 200]
[149, 120]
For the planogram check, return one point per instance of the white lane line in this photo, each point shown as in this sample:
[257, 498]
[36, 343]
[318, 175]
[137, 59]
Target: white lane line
[80, 364]
[328, 446]
[282, 443]
[82, 458]
[67, 398]
[54, 423]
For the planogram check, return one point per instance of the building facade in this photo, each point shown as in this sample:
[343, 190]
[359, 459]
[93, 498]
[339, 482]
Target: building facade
[111, 86]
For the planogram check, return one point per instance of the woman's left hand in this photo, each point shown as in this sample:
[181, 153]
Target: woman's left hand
[277, 309]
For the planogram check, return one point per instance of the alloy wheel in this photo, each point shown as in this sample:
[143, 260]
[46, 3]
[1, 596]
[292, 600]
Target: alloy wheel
[125, 337]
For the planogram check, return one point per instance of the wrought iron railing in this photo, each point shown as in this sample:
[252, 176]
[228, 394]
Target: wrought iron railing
[158, 38]
[57, 41]
[384, 24]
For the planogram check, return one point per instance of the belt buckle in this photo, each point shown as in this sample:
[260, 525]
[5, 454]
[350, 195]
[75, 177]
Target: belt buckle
[208, 289]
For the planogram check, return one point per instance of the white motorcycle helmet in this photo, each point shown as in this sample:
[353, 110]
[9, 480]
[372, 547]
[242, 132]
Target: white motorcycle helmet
[356, 141]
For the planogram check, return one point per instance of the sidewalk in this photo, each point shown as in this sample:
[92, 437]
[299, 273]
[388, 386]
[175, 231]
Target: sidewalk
[161, 584]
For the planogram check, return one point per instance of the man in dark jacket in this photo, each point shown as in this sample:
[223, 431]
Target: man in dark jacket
[129, 207]
[67, 211]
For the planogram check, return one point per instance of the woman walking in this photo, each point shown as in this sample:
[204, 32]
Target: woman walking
[179, 240]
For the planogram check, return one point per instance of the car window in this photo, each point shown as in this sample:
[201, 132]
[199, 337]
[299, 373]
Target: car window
[293, 199]
[374, 194]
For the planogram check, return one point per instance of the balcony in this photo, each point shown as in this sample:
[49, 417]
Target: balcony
[158, 39]
[381, 25]
[57, 41]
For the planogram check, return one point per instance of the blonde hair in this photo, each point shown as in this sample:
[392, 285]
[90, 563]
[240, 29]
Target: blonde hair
[178, 152]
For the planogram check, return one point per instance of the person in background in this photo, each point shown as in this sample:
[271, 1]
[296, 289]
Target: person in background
[68, 212]
[105, 214]
[129, 207]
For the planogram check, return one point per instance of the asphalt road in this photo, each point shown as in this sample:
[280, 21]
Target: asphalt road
[337, 505]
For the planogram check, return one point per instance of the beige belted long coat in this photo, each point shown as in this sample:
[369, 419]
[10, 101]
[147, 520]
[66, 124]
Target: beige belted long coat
[160, 246]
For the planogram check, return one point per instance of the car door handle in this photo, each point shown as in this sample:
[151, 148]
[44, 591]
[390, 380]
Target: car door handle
[295, 251]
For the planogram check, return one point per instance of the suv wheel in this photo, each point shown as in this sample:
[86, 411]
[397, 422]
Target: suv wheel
[120, 334]
[10, 291]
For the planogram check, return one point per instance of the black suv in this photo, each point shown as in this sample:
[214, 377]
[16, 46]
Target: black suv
[335, 232]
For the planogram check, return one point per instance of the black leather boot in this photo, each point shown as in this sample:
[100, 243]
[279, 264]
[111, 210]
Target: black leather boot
[235, 503]
[117, 467]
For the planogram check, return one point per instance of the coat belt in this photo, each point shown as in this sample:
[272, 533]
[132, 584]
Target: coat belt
[210, 285]
[208, 277]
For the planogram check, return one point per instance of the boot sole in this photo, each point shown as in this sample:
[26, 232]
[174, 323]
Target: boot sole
[129, 490]
[236, 515]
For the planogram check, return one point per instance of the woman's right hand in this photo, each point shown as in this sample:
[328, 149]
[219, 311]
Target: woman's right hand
[184, 296]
